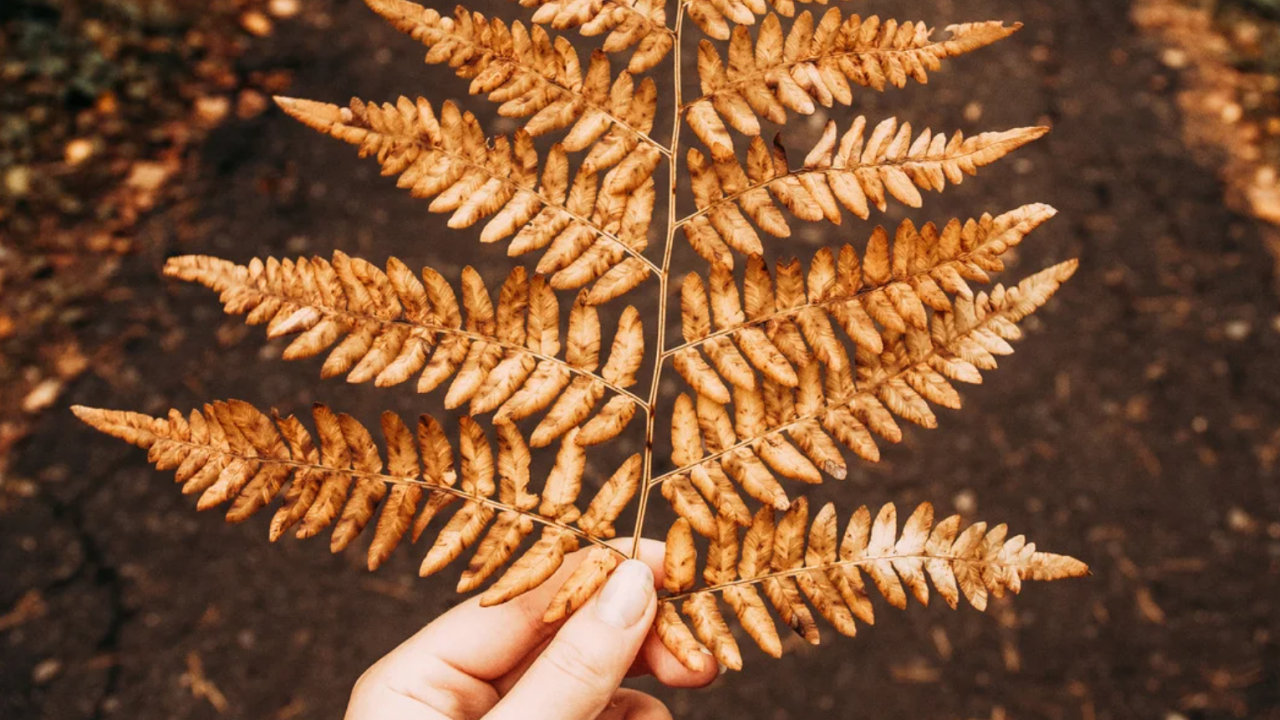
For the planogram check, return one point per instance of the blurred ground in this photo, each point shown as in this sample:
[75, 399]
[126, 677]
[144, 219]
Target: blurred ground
[1138, 427]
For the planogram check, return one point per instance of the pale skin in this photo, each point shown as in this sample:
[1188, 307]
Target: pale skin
[504, 662]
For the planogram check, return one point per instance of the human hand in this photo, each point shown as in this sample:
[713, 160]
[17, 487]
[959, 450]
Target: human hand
[504, 662]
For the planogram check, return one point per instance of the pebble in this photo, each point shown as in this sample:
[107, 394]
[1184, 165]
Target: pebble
[251, 104]
[77, 151]
[283, 8]
[18, 180]
[255, 23]
[42, 396]
[1237, 330]
[148, 175]
[1240, 521]
[213, 109]
[45, 671]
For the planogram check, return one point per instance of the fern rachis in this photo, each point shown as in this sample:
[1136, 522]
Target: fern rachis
[785, 361]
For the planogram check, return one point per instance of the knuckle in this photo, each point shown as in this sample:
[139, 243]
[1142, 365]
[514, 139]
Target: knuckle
[573, 662]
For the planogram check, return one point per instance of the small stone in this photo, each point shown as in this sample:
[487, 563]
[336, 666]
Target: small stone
[42, 396]
[148, 176]
[1238, 520]
[250, 104]
[1174, 58]
[18, 180]
[213, 109]
[255, 23]
[77, 151]
[45, 671]
[1237, 330]
[283, 8]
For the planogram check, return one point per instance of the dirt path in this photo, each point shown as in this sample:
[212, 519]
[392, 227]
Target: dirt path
[1138, 427]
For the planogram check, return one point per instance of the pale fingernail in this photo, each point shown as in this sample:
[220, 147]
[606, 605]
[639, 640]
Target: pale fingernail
[626, 596]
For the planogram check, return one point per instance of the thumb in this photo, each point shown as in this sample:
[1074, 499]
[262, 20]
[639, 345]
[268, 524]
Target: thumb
[582, 667]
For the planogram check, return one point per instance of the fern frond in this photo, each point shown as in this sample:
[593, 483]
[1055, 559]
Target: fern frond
[232, 452]
[532, 75]
[782, 324]
[815, 66]
[641, 24]
[978, 562]
[713, 16]
[503, 358]
[592, 230]
[848, 405]
[859, 173]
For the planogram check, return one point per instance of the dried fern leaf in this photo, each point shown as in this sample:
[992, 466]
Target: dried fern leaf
[592, 229]
[782, 321]
[230, 452]
[531, 74]
[793, 433]
[713, 16]
[812, 65]
[639, 24]
[858, 173]
[390, 325]
[789, 553]
[584, 582]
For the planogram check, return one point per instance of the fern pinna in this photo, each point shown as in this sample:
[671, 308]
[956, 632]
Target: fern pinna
[786, 361]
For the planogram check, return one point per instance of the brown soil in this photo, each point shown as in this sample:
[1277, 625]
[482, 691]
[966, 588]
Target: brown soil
[1138, 427]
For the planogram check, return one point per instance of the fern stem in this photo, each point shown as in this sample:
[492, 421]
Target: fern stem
[663, 277]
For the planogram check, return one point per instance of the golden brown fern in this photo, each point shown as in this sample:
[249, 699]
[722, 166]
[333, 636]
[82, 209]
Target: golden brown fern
[827, 571]
[814, 66]
[777, 390]
[782, 320]
[532, 75]
[591, 230]
[641, 24]
[836, 401]
[393, 325]
[860, 173]
[230, 452]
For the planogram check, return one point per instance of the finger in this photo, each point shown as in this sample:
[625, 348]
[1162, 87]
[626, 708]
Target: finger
[635, 705]
[579, 672]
